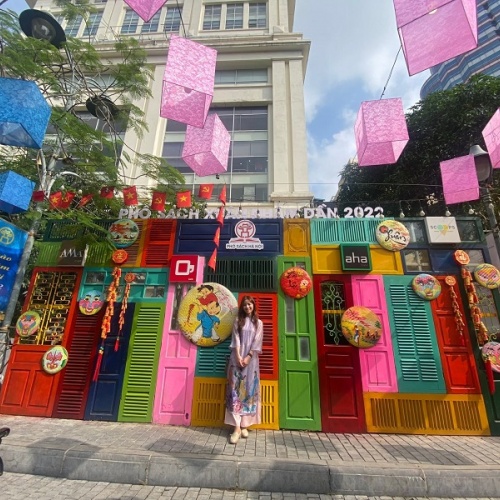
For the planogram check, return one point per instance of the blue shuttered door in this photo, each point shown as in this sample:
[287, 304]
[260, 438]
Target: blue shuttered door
[418, 363]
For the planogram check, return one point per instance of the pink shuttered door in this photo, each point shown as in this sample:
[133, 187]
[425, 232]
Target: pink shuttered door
[377, 363]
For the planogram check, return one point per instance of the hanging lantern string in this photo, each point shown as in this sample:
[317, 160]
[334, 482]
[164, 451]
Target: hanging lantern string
[390, 72]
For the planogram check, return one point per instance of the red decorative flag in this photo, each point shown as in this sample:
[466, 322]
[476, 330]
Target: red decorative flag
[66, 199]
[158, 201]
[217, 237]
[130, 195]
[220, 216]
[183, 199]
[222, 196]
[85, 200]
[205, 191]
[55, 199]
[108, 192]
[38, 196]
[213, 260]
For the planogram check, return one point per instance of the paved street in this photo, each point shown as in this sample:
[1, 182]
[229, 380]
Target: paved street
[26, 486]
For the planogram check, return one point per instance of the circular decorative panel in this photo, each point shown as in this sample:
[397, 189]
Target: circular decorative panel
[28, 323]
[91, 302]
[487, 275]
[361, 326]
[491, 352]
[123, 233]
[296, 282]
[426, 286]
[392, 235]
[55, 359]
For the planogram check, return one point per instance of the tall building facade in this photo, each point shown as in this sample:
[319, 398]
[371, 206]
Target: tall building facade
[483, 59]
[258, 94]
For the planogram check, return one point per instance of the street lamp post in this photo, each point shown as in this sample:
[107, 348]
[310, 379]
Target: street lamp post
[484, 171]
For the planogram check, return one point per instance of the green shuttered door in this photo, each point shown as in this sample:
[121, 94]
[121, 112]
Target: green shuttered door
[418, 362]
[139, 385]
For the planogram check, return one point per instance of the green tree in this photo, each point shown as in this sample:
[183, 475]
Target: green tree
[442, 126]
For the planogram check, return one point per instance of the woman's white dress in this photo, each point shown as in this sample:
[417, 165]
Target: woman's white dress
[243, 387]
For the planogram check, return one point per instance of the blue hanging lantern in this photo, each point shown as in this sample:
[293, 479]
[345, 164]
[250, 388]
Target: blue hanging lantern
[24, 113]
[15, 192]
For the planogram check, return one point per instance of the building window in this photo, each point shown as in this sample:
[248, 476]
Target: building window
[92, 24]
[234, 16]
[73, 26]
[211, 20]
[172, 20]
[152, 25]
[240, 76]
[130, 23]
[417, 260]
[257, 15]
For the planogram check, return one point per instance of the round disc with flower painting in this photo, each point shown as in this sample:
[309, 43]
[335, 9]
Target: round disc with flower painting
[207, 313]
[487, 275]
[392, 235]
[426, 286]
[55, 359]
[296, 282]
[361, 326]
[491, 352]
[123, 233]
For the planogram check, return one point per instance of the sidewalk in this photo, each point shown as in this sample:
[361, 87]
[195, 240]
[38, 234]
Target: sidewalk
[284, 461]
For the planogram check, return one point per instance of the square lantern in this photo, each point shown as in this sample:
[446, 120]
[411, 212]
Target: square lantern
[188, 83]
[491, 134]
[146, 9]
[433, 31]
[15, 192]
[381, 132]
[459, 178]
[24, 113]
[206, 150]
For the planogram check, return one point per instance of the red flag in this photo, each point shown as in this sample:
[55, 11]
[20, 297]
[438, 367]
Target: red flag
[130, 195]
[38, 196]
[217, 237]
[222, 196]
[158, 201]
[220, 216]
[205, 191]
[107, 192]
[213, 260]
[66, 199]
[183, 199]
[55, 200]
[85, 199]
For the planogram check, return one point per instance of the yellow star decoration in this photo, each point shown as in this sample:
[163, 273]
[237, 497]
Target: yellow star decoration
[130, 196]
[183, 197]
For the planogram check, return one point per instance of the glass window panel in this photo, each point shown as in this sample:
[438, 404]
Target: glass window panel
[211, 20]
[154, 291]
[225, 76]
[251, 76]
[73, 26]
[258, 15]
[289, 314]
[130, 22]
[251, 121]
[172, 20]
[417, 260]
[234, 16]
[92, 24]
[172, 149]
[152, 25]
[476, 258]
[468, 231]
[173, 126]
[416, 230]
[304, 349]
[95, 278]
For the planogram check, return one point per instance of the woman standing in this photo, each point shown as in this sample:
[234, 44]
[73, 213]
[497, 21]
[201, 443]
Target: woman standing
[243, 378]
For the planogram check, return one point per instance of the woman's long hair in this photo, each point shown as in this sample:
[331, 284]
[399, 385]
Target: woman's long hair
[242, 315]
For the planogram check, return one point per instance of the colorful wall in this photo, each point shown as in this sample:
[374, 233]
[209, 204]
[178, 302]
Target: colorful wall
[424, 376]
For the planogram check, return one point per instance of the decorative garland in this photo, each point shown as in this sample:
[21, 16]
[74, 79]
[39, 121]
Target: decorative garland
[129, 278]
[473, 299]
[459, 321]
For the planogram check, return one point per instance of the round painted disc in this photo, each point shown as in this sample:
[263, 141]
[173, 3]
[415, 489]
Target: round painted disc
[296, 282]
[487, 275]
[426, 286]
[392, 235]
[28, 323]
[55, 359]
[361, 326]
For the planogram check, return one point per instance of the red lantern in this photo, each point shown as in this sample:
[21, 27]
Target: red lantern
[296, 282]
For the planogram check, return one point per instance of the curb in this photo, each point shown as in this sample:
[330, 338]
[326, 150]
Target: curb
[85, 462]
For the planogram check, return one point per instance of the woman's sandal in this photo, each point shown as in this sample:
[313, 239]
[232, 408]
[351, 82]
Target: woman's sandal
[234, 437]
[244, 433]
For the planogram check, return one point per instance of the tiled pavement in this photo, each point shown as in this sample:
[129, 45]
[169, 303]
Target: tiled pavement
[295, 461]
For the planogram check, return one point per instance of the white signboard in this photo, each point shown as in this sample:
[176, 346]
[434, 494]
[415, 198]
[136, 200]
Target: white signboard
[442, 230]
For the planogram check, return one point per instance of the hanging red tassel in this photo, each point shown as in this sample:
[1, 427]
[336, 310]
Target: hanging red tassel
[100, 355]
[489, 375]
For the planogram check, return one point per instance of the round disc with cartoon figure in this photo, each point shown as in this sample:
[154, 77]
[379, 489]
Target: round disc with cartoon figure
[28, 323]
[207, 313]
[361, 326]
[487, 275]
[123, 233]
[91, 302]
[55, 359]
[426, 286]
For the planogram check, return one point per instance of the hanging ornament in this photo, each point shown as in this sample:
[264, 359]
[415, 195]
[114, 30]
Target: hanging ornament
[459, 320]
[426, 286]
[459, 178]
[361, 326]
[491, 135]
[129, 279]
[296, 282]
[55, 359]
[392, 235]
[487, 275]
[461, 257]
[119, 256]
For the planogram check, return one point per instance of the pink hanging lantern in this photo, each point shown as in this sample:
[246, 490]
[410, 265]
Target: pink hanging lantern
[459, 178]
[433, 31]
[146, 9]
[206, 149]
[381, 132]
[491, 134]
[188, 83]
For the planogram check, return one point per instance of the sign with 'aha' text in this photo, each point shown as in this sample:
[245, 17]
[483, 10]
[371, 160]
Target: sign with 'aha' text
[356, 257]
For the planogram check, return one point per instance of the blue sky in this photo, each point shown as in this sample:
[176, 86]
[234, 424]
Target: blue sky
[353, 47]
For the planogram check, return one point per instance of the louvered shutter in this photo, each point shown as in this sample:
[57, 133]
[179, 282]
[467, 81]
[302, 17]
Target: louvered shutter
[267, 307]
[418, 363]
[136, 249]
[75, 378]
[159, 243]
[212, 361]
[142, 363]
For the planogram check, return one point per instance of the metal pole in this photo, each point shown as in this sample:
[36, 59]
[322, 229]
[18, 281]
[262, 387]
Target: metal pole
[492, 218]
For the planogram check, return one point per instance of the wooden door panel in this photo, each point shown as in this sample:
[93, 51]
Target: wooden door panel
[300, 382]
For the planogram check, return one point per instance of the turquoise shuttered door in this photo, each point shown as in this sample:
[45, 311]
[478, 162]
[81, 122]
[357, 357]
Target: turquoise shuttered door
[418, 363]
[139, 384]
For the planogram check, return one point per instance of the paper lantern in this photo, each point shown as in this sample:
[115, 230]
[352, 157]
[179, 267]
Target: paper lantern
[381, 132]
[15, 192]
[188, 82]
[146, 9]
[361, 326]
[392, 235]
[296, 282]
[433, 31]
[207, 313]
[459, 179]
[206, 149]
[24, 113]
[491, 134]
